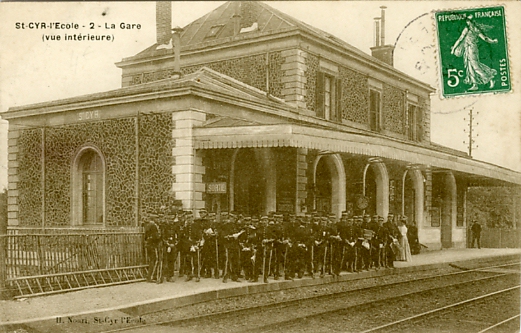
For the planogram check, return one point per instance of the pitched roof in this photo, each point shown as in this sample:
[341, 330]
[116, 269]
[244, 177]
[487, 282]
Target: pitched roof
[268, 20]
[204, 79]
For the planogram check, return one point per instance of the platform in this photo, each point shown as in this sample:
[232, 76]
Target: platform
[135, 299]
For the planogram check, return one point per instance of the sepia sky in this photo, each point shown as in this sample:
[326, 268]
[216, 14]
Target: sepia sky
[33, 70]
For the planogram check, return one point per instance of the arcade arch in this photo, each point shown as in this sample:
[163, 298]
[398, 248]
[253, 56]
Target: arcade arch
[329, 181]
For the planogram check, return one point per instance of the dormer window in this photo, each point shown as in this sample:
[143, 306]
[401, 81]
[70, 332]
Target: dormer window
[254, 27]
[214, 31]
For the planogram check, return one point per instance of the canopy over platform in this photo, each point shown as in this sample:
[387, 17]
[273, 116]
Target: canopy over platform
[328, 141]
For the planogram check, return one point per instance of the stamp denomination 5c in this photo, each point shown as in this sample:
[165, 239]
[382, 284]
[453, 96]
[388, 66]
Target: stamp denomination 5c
[473, 51]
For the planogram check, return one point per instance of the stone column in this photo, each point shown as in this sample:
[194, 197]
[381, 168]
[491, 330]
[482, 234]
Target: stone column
[302, 181]
[12, 199]
[448, 209]
[428, 197]
[294, 78]
[188, 169]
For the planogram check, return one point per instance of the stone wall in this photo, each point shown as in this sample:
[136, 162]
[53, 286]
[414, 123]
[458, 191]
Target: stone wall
[250, 70]
[355, 96]
[312, 68]
[29, 174]
[116, 139]
[155, 161]
[393, 108]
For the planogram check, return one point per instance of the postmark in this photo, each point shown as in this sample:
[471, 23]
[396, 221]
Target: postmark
[473, 51]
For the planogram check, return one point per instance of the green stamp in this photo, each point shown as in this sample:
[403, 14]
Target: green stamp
[473, 52]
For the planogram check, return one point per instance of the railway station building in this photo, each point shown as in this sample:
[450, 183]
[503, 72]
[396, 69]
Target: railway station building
[245, 109]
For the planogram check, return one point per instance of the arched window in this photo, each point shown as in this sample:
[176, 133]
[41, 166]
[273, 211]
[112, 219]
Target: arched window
[88, 188]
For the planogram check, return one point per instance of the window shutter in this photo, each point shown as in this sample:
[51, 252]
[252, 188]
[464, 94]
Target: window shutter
[319, 92]
[338, 100]
[419, 124]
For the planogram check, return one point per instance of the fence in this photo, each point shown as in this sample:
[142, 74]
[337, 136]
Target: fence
[60, 260]
[499, 238]
[67, 230]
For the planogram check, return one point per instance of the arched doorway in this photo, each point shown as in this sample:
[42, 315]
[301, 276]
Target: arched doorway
[330, 184]
[253, 182]
[376, 189]
[370, 192]
[323, 187]
[88, 187]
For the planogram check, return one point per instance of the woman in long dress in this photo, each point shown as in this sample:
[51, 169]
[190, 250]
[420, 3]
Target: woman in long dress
[467, 47]
[405, 250]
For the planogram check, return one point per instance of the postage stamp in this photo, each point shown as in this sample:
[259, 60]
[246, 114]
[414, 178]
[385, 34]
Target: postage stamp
[473, 51]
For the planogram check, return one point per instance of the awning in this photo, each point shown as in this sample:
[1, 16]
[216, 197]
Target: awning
[298, 136]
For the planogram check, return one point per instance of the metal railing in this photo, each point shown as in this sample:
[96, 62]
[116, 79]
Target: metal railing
[32, 257]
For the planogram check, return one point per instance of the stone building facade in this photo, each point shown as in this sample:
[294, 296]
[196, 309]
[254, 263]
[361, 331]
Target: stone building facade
[259, 112]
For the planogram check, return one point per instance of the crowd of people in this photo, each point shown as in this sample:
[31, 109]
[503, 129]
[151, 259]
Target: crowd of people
[282, 246]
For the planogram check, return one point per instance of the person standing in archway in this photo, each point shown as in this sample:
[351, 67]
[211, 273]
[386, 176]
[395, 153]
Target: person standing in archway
[476, 234]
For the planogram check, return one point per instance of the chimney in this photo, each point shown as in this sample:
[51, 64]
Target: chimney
[236, 24]
[377, 31]
[163, 21]
[382, 18]
[381, 51]
[176, 39]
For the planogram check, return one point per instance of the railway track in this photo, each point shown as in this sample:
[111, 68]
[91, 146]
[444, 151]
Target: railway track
[196, 324]
[398, 325]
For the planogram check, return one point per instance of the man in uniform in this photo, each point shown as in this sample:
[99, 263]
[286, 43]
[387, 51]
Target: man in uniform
[276, 255]
[264, 247]
[375, 242]
[350, 237]
[322, 246]
[393, 234]
[300, 248]
[246, 243]
[195, 241]
[382, 239]
[336, 246]
[209, 250]
[182, 245]
[230, 236]
[152, 238]
[169, 236]
[360, 252]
